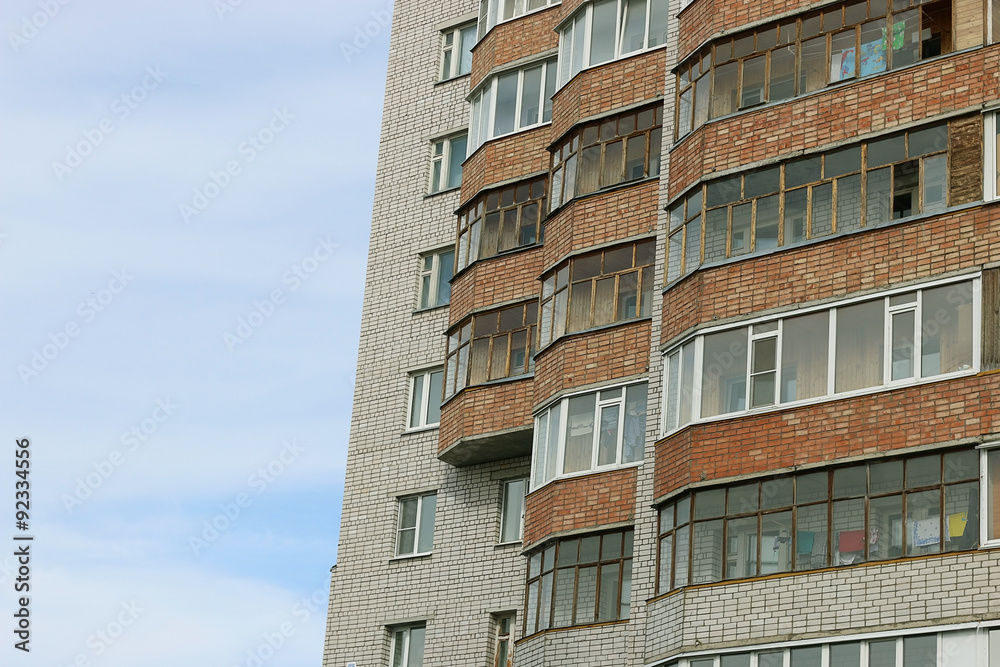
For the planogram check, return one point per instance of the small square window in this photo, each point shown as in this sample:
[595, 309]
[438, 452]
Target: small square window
[436, 269]
[512, 512]
[456, 51]
[446, 162]
[425, 398]
[415, 527]
[408, 646]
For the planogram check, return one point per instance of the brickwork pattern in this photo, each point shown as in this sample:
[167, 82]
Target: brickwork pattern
[496, 280]
[866, 598]
[486, 409]
[619, 83]
[580, 503]
[507, 158]
[852, 264]
[838, 114]
[514, 40]
[874, 424]
[583, 359]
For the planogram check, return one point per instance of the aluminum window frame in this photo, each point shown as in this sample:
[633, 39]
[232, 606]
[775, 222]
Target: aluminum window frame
[420, 382]
[419, 523]
[673, 421]
[402, 643]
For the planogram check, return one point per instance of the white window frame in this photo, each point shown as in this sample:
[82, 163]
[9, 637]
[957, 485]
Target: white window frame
[401, 640]
[567, 37]
[984, 505]
[490, 12]
[562, 406]
[482, 120]
[524, 481]
[991, 166]
[429, 282]
[424, 404]
[453, 69]
[442, 157]
[978, 633]
[887, 384]
[422, 507]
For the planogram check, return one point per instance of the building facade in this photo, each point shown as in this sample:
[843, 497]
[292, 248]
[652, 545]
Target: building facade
[680, 342]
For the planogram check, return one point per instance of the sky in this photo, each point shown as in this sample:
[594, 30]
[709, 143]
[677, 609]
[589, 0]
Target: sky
[185, 198]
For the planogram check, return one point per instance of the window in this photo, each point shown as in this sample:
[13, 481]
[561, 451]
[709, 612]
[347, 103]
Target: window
[894, 340]
[991, 494]
[595, 431]
[606, 153]
[803, 54]
[436, 269]
[501, 220]
[992, 145]
[596, 288]
[492, 345]
[505, 641]
[415, 532]
[579, 581]
[877, 511]
[492, 12]
[512, 512]
[408, 646]
[812, 197]
[935, 649]
[994, 20]
[512, 101]
[425, 398]
[446, 162]
[608, 29]
[456, 51]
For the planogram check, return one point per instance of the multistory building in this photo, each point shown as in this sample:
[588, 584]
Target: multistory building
[680, 341]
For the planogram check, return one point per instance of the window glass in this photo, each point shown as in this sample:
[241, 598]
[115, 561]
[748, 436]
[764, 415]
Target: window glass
[415, 530]
[804, 353]
[993, 494]
[859, 345]
[725, 370]
[946, 329]
[512, 514]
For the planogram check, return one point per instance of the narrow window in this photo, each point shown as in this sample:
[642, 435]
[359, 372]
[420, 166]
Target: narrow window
[415, 529]
[425, 398]
[456, 51]
[512, 511]
[504, 655]
[408, 646]
[435, 275]
[446, 162]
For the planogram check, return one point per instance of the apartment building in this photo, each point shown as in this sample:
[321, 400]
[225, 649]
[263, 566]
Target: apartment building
[681, 339]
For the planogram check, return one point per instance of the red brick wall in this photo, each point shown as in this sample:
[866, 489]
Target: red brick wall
[510, 157]
[591, 501]
[839, 114]
[925, 414]
[843, 266]
[601, 218]
[495, 280]
[510, 41]
[486, 409]
[603, 355]
[616, 84]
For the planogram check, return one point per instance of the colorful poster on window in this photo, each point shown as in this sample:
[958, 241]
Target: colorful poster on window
[842, 65]
[873, 56]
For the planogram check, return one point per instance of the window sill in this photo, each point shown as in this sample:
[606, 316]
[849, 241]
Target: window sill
[422, 429]
[441, 192]
[459, 77]
[809, 402]
[430, 309]
[405, 557]
[516, 543]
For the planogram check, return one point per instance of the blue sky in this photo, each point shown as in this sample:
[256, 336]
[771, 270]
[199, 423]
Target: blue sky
[185, 197]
